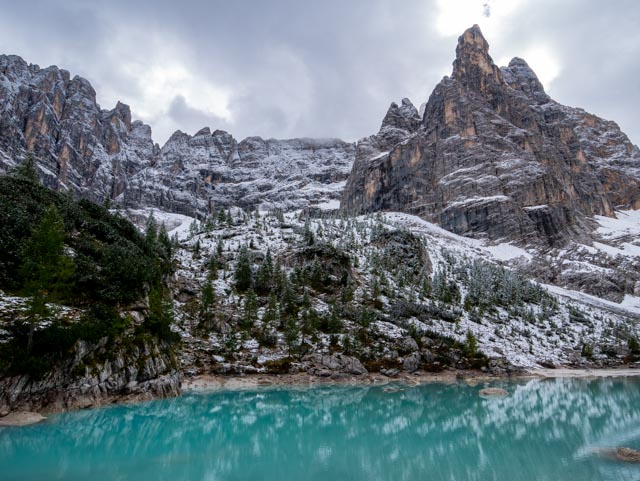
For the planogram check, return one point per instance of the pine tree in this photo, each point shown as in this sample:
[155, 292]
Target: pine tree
[161, 313]
[335, 324]
[376, 292]
[471, 345]
[306, 301]
[45, 268]
[270, 319]
[250, 311]
[165, 242]
[193, 229]
[27, 169]
[270, 316]
[213, 268]
[243, 274]
[220, 247]
[151, 233]
[289, 300]
[291, 335]
[279, 277]
[208, 300]
[309, 238]
[222, 218]
[264, 276]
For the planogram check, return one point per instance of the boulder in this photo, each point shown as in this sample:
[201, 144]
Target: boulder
[627, 455]
[408, 344]
[411, 363]
[390, 372]
[334, 362]
[490, 392]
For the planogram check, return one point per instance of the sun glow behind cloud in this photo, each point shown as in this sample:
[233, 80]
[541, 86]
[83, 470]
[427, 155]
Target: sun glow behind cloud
[493, 16]
[454, 16]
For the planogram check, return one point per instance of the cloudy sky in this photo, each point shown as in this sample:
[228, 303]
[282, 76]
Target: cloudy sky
[330, 68]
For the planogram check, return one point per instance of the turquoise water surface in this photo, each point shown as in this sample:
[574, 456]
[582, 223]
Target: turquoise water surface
[544, 430]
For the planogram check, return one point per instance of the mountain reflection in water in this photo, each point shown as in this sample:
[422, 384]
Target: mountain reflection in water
[544, 430]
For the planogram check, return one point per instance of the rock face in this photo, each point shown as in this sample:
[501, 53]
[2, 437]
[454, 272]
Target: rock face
[76, 144]
[104, 154]
[94, 374]
[494, 156]
[200, 173]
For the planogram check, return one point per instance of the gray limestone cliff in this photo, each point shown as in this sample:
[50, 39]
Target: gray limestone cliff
[76, 144]
[96, 373]
[103, 154]
[494, 156]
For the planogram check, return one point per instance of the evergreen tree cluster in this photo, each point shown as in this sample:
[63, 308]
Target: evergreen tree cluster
[54, 249]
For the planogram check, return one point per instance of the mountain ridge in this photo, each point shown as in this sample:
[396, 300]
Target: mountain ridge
[104, 154]
[509, 250]
[495, 156]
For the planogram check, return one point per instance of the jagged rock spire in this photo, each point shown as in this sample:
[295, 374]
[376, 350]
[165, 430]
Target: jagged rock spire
[521, 77]
[473, 66]
[404, 116]
[495, 157]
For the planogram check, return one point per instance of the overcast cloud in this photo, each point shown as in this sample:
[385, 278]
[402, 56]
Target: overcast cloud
[291, 68]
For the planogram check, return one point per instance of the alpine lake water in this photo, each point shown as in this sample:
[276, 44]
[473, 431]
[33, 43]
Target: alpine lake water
[547, 430]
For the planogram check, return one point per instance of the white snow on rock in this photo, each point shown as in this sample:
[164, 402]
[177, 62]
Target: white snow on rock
[625, 224]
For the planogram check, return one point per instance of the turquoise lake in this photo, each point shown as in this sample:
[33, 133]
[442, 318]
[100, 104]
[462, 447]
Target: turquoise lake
[544, 430]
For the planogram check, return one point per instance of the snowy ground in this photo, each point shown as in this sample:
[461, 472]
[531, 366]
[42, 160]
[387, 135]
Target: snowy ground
[525, 337]
[558, 340]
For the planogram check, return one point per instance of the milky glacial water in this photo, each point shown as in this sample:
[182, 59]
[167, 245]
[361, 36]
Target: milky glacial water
[544, 430]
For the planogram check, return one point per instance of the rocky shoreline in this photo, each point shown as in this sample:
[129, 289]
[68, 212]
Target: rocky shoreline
[210, 382]
[206, 382]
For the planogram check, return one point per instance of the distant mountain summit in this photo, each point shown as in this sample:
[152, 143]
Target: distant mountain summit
[103, 154]
[489, 155]
[494, 156]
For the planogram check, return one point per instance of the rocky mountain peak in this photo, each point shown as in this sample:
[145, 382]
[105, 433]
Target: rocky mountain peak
[495, 157]
[473, 66]
[519, 76]
[472, 37]
[203, 131]
[404, 116]
[122, 112]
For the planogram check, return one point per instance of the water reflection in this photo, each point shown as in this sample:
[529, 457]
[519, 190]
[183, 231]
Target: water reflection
[545, 430]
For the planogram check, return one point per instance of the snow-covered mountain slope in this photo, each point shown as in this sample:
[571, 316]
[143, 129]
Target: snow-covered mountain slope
[202, 173]
[414, 289]
[102, 154]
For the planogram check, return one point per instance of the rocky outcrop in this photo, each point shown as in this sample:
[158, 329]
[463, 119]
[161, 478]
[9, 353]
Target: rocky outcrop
[493, 156]
[627, 455]
[21, 419]
[325, 365]
[103, 154]
[76, 144]
[201, 173]
[94, 374]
